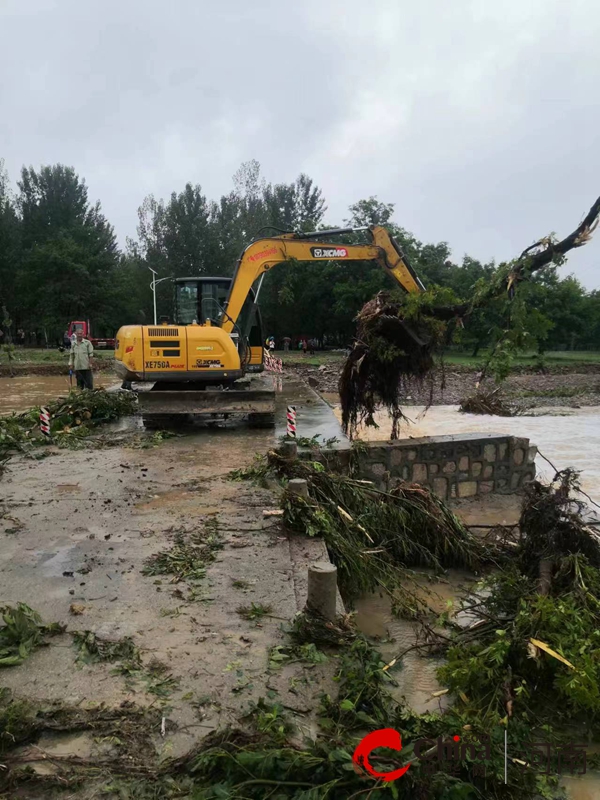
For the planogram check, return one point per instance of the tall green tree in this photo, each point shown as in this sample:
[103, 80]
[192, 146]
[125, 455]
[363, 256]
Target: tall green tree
[9, 247]
[69, 250]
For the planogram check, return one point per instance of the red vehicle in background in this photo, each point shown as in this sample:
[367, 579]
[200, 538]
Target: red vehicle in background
[99, 343]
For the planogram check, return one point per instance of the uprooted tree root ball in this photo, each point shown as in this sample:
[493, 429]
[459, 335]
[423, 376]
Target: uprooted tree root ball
[395, 344]
[398, 336]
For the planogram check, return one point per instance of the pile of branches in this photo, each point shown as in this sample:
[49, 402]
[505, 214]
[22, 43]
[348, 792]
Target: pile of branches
[398, 336]
[375, 537]
[488, 402]
[72, 416]
[553, 527]
[532, 649]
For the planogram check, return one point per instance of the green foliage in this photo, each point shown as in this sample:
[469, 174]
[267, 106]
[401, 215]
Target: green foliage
[542, 687]
[255, 611]
[91, 648]
[287, 654]
[71, 420]
[22, 632]
[187, 560]
[374, 536]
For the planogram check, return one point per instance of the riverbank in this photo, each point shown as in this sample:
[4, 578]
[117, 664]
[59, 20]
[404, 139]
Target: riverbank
[573, 386]
[52, 367]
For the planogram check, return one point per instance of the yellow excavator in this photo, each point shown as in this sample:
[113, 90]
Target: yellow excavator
[207, 362]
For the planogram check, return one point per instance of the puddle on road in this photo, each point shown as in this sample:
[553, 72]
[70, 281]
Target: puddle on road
[24, 391]
[53, 564]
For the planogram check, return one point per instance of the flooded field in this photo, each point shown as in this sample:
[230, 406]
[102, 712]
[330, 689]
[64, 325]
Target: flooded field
[24, 391]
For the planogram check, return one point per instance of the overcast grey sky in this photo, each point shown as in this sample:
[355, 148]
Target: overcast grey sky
[480, 120]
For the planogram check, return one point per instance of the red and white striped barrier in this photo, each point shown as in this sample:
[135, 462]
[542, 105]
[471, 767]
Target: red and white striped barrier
[291, 421]
[272, 364]
[45, 421]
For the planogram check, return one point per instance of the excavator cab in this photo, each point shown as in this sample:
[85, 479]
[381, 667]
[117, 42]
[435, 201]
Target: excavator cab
[202, 301]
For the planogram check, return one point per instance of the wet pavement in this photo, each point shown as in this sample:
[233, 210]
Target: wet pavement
[77, 527]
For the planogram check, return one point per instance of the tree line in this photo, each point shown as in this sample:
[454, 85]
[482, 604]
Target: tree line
[60, 261]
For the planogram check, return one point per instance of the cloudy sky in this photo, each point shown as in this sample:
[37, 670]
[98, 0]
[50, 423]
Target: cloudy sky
[480, 120]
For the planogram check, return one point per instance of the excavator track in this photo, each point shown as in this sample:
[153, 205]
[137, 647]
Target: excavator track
[251, 397]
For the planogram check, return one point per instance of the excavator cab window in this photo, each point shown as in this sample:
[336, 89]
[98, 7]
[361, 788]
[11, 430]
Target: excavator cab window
[186, 302]
[199, 299]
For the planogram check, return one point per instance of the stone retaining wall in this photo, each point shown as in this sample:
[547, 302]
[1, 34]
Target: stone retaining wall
[464, 465]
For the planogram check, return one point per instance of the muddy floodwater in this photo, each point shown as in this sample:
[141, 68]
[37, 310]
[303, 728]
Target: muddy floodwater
[24, 391]
[568, 437]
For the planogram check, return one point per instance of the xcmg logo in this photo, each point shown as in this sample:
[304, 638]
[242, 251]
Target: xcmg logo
[329, 252]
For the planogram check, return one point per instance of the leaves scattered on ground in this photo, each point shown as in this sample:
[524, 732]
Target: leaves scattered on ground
[22, 632]
[255, 611]
[189, 556]
[92, 649]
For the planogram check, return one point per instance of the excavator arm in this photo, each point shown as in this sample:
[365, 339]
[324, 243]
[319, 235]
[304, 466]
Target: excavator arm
[264, 254]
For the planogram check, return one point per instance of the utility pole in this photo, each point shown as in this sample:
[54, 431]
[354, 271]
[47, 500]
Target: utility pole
[153, 286]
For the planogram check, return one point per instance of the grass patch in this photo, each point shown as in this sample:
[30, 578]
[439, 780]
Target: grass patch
[35, 355]
[326, 357]
[525, 359]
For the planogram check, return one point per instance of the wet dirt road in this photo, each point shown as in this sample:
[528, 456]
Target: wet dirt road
[78, 528]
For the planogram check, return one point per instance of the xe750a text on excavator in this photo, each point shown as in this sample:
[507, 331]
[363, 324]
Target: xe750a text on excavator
[207, 362]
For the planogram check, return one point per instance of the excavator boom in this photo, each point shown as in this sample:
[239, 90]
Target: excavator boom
[264, 254]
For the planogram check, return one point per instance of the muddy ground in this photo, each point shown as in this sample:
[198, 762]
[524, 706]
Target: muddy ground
[573, 387]
[77, 529]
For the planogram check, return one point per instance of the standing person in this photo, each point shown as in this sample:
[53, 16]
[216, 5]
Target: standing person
[286, 343]
[66, 340]
[21, 337]
[304, 347]
[81, 361]
[272, 344]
